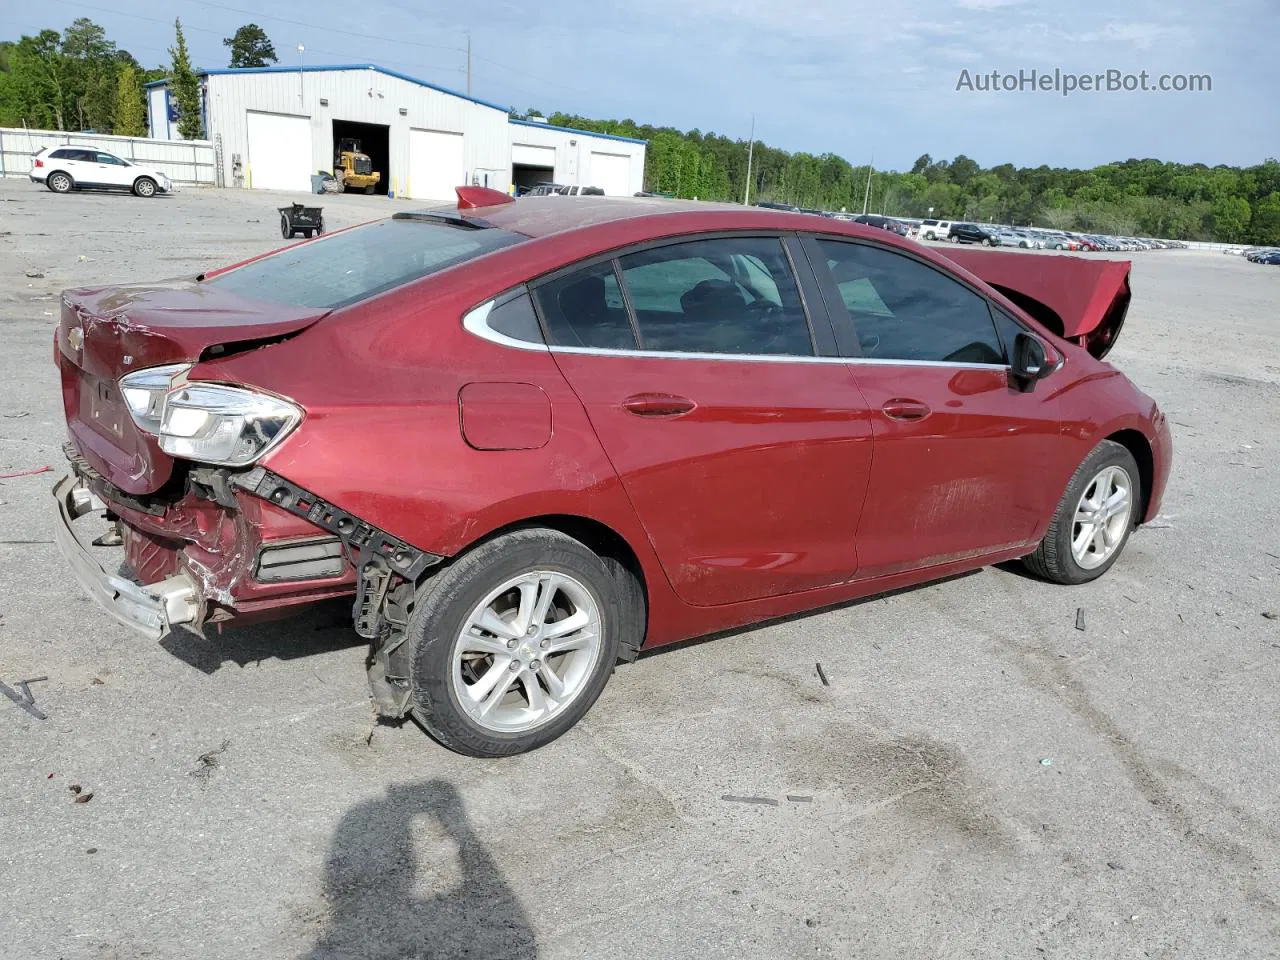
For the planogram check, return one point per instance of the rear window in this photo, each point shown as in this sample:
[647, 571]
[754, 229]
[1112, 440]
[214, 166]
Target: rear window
[361, 263]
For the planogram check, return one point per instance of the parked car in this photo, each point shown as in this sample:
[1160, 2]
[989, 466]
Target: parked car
[63, 169]
[563, 190]
[884, 223]
[1006, 237]
[934, 229]
[532, 438]
[971, 233]
[772, 205]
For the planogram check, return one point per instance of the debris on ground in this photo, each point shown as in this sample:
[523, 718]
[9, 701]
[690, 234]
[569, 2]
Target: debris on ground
[1079, 618]
[26, 473]
[822, 675]
[1271, 615]
[16, 416]
[96, 682]
[35, 274]
[84, 797]
[1046, 762]
[799, 798]
[75, 788]
[24, 699]
[207, 762]
[760, 801]
[1114, 866]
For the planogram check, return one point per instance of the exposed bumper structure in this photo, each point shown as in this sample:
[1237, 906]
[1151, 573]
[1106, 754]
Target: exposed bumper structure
[151, 609]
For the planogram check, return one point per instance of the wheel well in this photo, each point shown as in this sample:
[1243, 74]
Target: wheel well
[605, 542]
[1137, 444]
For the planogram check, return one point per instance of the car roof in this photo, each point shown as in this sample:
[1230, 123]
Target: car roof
[544, 216]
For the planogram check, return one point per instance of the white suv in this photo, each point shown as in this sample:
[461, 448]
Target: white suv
[934, 229]
[63, 169]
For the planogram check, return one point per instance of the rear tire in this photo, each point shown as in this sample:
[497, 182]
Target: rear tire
[370, 189]
[284, 227]
[1068, 554]
[145, 187]
[455, 657]
[60, 182]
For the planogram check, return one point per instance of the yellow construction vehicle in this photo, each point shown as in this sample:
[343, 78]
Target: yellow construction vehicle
[353, 169]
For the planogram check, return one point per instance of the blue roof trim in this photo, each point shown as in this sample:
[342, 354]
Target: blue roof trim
[157, 83]
[321, 67]
[584, 133]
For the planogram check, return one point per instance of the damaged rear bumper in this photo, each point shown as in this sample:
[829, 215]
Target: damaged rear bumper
[151, 609]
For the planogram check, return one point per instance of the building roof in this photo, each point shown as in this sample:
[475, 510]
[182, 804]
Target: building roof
[582, 133]
[325, 67]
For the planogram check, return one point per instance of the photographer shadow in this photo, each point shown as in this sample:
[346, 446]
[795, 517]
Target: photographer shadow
[383, 902]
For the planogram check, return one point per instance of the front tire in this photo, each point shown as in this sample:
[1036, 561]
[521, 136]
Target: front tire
[514, 642]
[60, 182]
[1094, 518]
[370, 189]
[144, 187]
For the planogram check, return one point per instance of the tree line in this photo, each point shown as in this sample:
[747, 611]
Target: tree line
[81, 80]
[1126, 198]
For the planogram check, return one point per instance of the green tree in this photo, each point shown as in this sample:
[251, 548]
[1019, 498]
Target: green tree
[37, 86]
[1231, 218]
[131, 120]
[185, 87]
[1266, 220]
[250, 47]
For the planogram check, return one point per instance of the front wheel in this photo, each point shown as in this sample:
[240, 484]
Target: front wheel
[1094, 518]
[370, 189]
[144, 187]
[514, 642]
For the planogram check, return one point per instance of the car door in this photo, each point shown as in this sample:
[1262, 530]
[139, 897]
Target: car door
[960, 449]
[716, 390]
[76, 162]
[112, 171]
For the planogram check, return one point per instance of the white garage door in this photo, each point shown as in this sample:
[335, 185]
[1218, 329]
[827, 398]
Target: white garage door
[436, 164]
[279, 152]
[528, 156]
[611, 172]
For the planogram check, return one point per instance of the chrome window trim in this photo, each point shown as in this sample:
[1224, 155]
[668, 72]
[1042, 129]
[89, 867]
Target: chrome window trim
[476, 322]
[772, 358]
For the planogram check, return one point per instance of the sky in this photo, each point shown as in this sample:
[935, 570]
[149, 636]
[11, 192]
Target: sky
[865, 80]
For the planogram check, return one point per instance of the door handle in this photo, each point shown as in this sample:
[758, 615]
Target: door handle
[657, 405]
[905, 410]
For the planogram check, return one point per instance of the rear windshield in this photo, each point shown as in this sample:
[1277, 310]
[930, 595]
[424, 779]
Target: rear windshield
[361, 263]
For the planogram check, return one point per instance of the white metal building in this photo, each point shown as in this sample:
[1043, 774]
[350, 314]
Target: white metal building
[273, 127]
[542, 153]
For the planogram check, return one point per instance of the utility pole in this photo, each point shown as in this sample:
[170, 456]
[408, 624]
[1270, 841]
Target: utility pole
[468, 63]
[301, 49]
[866, 194]
[746, 194]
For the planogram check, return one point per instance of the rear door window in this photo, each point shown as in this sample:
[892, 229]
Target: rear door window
[361, 263]
[585, 309]
[724, 296]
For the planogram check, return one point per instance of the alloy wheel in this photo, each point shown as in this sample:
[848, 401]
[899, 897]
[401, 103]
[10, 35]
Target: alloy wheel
[1102, 517]
[526, 651]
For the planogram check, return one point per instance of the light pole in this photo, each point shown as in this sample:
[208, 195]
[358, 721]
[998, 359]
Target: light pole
[746, 194]
[301, 49]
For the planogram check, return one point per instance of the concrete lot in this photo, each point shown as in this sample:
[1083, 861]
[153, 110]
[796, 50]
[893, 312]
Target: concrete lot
[933, 827]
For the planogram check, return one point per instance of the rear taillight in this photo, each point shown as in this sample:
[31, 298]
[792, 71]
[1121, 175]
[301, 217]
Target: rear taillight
[39, 163]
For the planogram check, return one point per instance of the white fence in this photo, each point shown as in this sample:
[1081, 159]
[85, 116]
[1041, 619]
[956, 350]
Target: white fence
[184, 161]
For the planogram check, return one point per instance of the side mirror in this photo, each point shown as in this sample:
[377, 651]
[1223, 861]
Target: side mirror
[1032, 361]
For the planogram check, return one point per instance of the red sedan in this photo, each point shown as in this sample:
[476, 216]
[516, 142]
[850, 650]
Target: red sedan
[531, 438]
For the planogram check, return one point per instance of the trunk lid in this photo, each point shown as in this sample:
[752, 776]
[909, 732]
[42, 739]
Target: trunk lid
[1083, 300]
[108, 332]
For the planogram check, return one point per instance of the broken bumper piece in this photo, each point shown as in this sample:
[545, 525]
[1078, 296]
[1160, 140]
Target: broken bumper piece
[151, 609]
